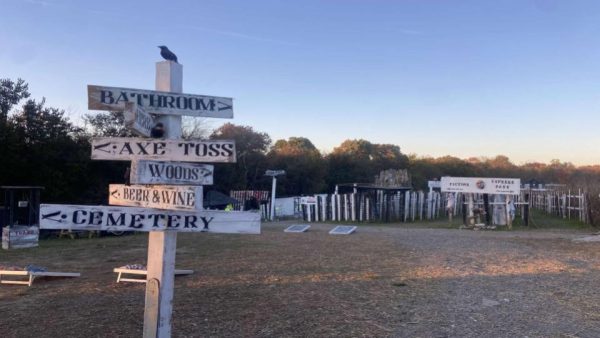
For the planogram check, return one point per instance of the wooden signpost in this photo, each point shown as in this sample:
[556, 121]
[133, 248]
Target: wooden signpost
[128, 149]
[157, 172]
[138, 120]
[183, 197]
[161, 210]
[159, 102]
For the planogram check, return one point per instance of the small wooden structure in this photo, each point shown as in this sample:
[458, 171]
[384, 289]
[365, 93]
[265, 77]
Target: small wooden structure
[19, 216]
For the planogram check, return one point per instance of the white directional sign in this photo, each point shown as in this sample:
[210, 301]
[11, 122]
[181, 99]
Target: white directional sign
[482, 185]
[157, 172]
[155, 102]
[138, 120]
[308, 200]
[274, 172]
[434, 184]
[108, 218]
[156, 196]
[127, 149]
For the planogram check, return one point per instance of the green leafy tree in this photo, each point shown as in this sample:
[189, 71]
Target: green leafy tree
[11, 93]
[107, 124]
[358, 161]
[304, 165]
[46, 149]
[251, 147]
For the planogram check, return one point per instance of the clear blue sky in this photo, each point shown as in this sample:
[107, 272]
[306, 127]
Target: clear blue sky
[463, 78]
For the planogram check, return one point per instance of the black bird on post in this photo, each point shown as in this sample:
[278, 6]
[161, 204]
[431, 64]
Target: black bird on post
[167, 54]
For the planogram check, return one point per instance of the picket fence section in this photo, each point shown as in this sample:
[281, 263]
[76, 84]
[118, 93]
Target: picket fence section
[407, 206]
[410, 206]
[566, 204]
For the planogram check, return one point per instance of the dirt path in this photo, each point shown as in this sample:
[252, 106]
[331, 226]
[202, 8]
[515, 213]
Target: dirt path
[381, 281]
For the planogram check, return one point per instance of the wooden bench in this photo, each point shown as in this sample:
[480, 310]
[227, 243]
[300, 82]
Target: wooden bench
[31, 276]
[142, 274]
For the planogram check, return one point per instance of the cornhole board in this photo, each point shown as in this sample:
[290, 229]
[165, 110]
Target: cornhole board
[343, 230]
[142, 274]
[297, 228]
[31, 276]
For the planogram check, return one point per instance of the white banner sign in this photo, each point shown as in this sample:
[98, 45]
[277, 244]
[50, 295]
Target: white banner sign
[108, 218]
[478, 185]
[138, 120]
[166, 103]
[156, 196]
[127, 149]
[156, 172]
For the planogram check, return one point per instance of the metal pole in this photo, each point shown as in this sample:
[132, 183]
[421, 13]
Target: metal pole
[273, 188]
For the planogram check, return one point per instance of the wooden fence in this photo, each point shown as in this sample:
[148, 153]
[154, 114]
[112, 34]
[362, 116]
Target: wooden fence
[566, 204]
[379, 207]
[410, 206]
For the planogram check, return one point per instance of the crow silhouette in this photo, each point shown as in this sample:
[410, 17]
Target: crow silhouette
[167, 54]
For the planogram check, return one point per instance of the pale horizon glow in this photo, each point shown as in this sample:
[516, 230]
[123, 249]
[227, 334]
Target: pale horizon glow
[461, 78]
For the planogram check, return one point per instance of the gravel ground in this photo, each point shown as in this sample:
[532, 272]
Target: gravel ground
[381, 281]
[499, 284]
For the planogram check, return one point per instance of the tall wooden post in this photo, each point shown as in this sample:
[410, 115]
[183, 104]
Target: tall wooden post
[162, 245]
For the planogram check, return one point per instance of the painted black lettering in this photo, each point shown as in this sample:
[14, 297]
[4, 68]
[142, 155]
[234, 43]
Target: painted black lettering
[106, 96]
[179, 200]
[95, 218]
[227, 149]
[122, 98]
[136, 221]
[156, 217]
[126, 147]
[159, 148]
[206, 222]
[170, 100]
[156, 170]
[201, 149]
[142, 148]
[111, 221]
[173, 221]
[76, 216]
[190, 221]
[214, 149]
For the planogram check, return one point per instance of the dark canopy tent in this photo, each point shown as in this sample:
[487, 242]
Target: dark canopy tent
[215, 199]
[20, 205]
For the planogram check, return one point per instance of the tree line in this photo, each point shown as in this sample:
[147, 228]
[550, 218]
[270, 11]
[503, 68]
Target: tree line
[40, 146]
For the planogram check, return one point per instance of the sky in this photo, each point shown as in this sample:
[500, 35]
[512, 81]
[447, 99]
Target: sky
[463, 78]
